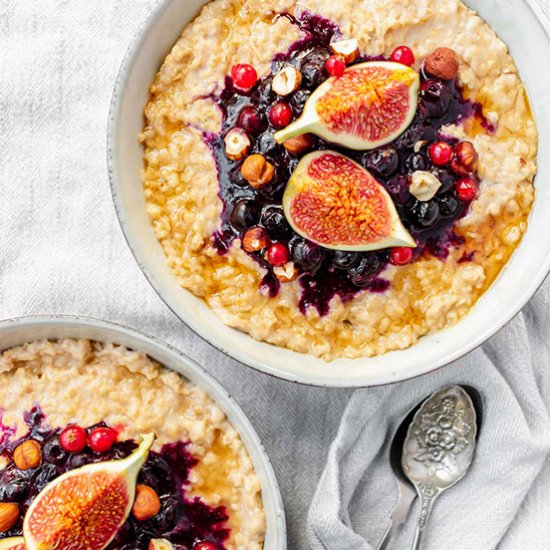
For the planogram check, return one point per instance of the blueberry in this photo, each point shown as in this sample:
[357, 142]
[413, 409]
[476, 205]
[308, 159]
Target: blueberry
[436, 97]
[409, 137]
[298, 101]
[448, 206]
[398, 188]
[343, 259]
[424, 214]
[307, 255]
[361, 274]
[156, 473]
[274, 220]
[382, 162]
[237, 179]
[313, 68]
[265, 91]
[267, 146]
[244, 214]
[15, 490]
[44, 475]
[446, 178]
[416, 161]
[77, 460]
[53, 451]
[166, 519]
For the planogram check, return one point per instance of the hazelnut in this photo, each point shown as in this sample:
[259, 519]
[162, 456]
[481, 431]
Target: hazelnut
[257, 171]
[28, 455]
[348, 49]
[146, 503]
[424, 185]
[255, 239]
[160, 544]
[9, 516]
[419, 145]
[466, 159]
[286, 273]
[299, 144]
[237, 144]
[287, 80]
[442, 63]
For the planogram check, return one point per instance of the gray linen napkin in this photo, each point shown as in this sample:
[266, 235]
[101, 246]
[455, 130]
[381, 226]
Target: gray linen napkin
[503, 502]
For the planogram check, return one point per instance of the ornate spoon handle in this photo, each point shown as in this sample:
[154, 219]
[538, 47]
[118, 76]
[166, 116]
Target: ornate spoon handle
[428, 495]
[399, 513]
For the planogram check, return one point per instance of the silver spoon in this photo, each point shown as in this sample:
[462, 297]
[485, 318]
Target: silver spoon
[439, 448]
[406, 492]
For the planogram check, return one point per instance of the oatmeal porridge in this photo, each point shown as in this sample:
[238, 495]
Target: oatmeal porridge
[338, 178]
[68, 404]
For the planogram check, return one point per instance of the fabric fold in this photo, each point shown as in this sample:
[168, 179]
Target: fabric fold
[500, 502]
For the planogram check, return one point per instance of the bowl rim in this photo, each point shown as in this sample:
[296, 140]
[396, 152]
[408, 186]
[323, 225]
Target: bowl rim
[208, 382]
[516, 304]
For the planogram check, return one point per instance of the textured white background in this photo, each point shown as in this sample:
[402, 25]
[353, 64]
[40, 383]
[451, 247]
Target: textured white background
[61, 249]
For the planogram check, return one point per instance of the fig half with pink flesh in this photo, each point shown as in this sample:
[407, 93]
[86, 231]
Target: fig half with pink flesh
[334, 202]
[86, 507]
[372, 104]
[13, 543]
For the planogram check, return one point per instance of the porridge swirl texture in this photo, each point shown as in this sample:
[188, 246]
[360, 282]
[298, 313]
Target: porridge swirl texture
[85, 382]
[181, 186]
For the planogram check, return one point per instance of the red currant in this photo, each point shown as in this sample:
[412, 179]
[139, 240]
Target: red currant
[336, 65]
[280, 114]
[403, 55]
[250, 120]
[277, 254]
[102, 439]
[244, 77]
[440, 153]
[73, 439]
[204, 546]
[466, 189]
[401, 255]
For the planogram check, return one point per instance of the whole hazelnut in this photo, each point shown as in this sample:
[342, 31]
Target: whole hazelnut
[255, 239]
[466, 158]
[257, 171]
[146, 503]
[299, 144]
[442, 63]
[9, 516]
[28, 455]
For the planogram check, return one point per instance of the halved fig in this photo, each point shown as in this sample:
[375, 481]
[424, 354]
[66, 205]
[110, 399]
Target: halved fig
[370, 105]
[13, 543]
[334, 202]
[86, 507]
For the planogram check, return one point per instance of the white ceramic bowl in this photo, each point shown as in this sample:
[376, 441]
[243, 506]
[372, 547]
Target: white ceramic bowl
[520, 25]
[27, 329]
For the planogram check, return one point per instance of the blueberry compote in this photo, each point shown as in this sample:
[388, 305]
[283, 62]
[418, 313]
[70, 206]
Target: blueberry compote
[184, 522]
[325, 273]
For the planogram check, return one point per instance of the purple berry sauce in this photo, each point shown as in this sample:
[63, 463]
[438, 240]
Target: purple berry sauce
[325, 273]
[181, 520]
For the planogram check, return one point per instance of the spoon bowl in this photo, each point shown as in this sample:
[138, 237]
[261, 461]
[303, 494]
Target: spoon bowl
[439, 447]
